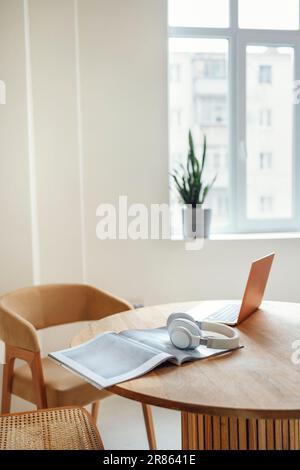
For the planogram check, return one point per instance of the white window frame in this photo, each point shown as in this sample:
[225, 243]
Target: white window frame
[238, 40]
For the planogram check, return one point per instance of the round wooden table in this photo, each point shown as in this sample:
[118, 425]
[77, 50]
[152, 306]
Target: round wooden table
[248, 399]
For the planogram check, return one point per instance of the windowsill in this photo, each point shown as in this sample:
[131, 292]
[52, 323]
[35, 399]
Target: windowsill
[248, 236]
[257, 236]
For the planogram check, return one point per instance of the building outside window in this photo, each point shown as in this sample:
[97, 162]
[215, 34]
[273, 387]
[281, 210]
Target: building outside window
[266, 204]
[210, 68]
[211, 110]
[217, 162]
[175, 73]
[176, 117]
[265, 161]
[265, 118]
[265, 74]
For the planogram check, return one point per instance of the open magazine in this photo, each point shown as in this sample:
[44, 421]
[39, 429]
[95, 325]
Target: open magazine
[112, 358]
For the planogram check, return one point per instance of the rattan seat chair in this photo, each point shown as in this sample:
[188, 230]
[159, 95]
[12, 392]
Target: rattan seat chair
[54, 429]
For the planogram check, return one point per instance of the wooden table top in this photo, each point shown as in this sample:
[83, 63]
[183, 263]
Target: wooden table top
[258, 381]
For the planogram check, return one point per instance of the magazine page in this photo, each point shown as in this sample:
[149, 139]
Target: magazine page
[159, 339]
[109, 359]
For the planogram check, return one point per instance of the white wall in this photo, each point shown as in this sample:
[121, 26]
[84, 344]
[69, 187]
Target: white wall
[15, 219]
[122, 104]
[53, 67]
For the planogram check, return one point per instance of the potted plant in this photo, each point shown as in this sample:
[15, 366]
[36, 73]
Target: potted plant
[193, 191]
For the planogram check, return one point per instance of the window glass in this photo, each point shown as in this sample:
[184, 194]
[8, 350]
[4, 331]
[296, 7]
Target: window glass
[269, 14]
[201, 96]
[269, 133]
[199, 13]
[262, 166]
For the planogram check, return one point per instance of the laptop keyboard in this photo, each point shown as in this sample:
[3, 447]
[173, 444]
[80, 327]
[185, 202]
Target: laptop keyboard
[228, 314]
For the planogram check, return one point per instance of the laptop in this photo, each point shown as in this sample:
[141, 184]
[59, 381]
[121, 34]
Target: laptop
[234, 314]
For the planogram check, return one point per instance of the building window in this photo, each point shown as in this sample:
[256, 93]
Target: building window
[265, 74]
[209, 68]
[222, 208]
[266, 204]
[175, 73]
[211, 111]
[217, 162]
[176, 117]
[265, 161]
[225, 100]
[265, 118]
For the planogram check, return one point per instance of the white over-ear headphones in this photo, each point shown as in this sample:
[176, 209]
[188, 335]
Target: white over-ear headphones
[186, 333]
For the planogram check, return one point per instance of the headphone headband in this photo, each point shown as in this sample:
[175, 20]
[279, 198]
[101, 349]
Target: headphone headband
[232, 340]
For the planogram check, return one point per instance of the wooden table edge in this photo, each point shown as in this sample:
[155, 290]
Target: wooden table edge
[204, 409]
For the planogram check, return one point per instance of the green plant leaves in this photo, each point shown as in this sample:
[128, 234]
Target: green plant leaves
[189, 182]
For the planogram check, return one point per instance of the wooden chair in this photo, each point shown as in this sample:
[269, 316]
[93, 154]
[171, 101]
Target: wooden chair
[56, 429]
[41, 381]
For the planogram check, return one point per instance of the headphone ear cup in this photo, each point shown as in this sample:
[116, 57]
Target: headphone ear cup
[183, 331]
[187, 324]
[181, 338]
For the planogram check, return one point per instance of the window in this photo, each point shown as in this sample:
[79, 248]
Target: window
[176, 116]
[216, 159]
[237, 70]
[211, 111]
[266, 205]
[199, 13]
[175, 73]
[265, 161]
[205, 105]
[217, 162]
[269, 14]
[275, 130]
[222, 209]
[265, 118]
[265, 74]
[210, 68]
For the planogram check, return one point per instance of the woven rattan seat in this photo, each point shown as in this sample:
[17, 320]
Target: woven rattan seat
[55, 429]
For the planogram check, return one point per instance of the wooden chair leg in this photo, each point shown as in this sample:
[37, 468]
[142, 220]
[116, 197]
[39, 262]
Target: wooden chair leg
[33, 359]
[95, 410]
[95, 414]
[149, 426]
[7, 384]
[38, 380]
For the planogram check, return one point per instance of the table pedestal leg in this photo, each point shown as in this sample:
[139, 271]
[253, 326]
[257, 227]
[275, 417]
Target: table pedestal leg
[200, 432]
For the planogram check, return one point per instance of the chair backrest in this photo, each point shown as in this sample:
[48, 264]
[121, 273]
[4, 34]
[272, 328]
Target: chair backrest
[24, 311]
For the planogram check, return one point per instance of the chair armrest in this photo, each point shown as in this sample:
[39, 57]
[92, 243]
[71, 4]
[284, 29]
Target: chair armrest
[16, 331]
